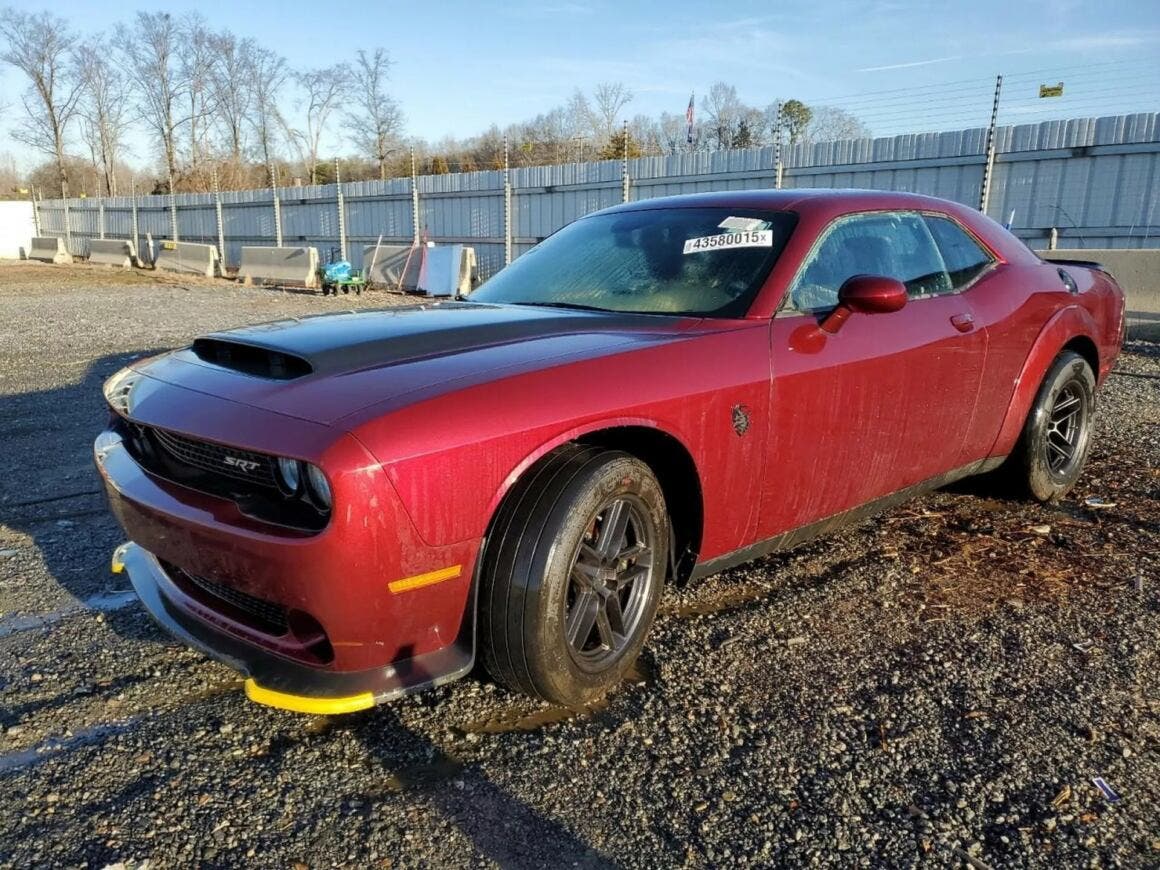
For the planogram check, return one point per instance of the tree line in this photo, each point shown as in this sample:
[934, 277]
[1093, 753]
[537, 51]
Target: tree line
[218, 108]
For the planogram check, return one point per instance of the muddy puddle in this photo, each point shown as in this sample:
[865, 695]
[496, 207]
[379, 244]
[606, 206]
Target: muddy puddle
[103, 603]
[525, 718]
[727, 598]
[53, 746]
[423, 775]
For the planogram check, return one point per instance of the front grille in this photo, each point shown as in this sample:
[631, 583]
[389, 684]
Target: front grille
[265, 615]
[244, 465]
[244, 477]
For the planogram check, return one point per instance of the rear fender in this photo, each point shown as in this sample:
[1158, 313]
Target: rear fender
[1065, 325]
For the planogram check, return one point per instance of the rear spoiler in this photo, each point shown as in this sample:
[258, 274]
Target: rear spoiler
[1087, 264]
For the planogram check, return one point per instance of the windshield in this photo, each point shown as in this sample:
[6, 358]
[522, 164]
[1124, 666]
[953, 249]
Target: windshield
[686, 261]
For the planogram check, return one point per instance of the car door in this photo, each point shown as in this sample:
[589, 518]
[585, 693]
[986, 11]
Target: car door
[883, 403]
[1002, 297]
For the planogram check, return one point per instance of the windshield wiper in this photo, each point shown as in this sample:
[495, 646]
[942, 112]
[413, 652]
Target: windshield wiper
[573, 305]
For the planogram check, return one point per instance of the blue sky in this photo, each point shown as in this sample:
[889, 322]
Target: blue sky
[900, 65]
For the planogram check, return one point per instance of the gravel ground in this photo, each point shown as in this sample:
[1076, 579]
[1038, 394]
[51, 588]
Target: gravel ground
[937, 686]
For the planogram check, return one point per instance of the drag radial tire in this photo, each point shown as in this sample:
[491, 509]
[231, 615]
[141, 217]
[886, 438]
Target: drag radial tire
[572, 573]
[1053, 447]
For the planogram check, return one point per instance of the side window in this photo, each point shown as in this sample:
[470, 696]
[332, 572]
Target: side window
[964, 257]
[894, 245]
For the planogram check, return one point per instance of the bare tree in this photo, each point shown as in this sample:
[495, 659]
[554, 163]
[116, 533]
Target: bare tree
[103, 107]
[196, 59]
[40, 46]
[672, 132]
[323, 89]
[609, 98]
[268, 76]
[150, 53]
[10, 178]
[645, 133]
[723, 113]
[828, 123]
[382, 120]
[233, 88]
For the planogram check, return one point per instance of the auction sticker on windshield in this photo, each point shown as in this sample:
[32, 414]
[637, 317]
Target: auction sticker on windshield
[753, 239]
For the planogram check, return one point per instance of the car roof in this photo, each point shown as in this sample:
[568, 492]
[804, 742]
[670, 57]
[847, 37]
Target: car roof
[820, 200]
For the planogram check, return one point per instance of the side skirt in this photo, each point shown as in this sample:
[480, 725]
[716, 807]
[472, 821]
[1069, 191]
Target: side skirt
[800, 535]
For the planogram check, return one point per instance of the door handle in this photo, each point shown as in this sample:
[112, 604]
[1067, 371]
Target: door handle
[963, 322]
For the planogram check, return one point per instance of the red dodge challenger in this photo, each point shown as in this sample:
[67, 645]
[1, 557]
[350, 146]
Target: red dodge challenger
[352, 506]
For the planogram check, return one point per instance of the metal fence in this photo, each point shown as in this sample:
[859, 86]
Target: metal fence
[1095, 180]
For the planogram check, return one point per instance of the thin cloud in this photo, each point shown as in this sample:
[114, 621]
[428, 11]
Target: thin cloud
[910, 64]
[1102, 41]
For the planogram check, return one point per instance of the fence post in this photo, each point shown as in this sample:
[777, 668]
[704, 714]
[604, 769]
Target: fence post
[624, 182]
[277, 208]
[341, 211]
[67, 227]
[414, 199]
[35, 210]
[989, 166]
[221, 225]
[136, 226]
[172, 210]
[507, 206]
[777, 169]
[101, 218]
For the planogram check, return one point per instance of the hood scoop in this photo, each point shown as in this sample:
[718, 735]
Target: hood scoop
[248, 359]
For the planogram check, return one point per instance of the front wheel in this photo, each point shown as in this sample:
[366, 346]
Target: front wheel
[1055, 440]
[572, 575]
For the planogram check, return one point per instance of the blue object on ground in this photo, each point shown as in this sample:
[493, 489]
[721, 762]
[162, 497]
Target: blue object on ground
[335, 272]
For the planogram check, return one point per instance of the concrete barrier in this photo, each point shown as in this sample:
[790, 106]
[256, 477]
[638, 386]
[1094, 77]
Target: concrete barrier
[118, 253]
[448, 270]
[16, 228]
[1137, 271]
[393, 265]
[48, 249]
[188, 258]
[279, 266]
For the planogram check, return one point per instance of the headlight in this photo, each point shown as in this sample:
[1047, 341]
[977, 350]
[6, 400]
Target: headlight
[318, 486]
[289, 475]
[118, 389]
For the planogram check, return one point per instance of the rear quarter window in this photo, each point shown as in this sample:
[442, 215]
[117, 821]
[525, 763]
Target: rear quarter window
[965, 259]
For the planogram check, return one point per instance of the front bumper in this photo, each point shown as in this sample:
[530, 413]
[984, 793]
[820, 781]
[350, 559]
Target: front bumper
[273, 680]
[362, 606]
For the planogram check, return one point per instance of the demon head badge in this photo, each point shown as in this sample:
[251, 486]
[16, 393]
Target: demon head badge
[740, 419]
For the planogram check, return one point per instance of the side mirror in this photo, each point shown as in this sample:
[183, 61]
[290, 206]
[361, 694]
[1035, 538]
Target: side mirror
[866, 294]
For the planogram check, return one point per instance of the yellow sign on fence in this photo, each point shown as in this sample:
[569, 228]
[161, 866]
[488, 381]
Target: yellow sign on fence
[1051, 90]
[169, 246]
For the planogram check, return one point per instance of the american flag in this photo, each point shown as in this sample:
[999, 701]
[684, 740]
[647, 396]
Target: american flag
[689, 119]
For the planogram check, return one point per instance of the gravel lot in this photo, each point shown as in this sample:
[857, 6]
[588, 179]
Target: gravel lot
[934, 687]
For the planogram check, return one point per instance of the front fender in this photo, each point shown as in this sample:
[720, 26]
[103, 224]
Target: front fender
[574, 434]
[1066, 325]
[452, 458]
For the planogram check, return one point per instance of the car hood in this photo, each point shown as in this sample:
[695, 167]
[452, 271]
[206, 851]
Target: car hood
[326, 367]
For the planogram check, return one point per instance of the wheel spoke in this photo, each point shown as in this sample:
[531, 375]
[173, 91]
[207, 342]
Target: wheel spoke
[628, 575]
[1058, 420]
[637, 554]
[1063, 453]
[582, 617]
[1067, 402]
[610, 623]
[589, 554]
[613, 529]
[584, 574]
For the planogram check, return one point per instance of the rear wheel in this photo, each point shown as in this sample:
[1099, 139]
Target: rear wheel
[1053, 447]
[572, 575]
